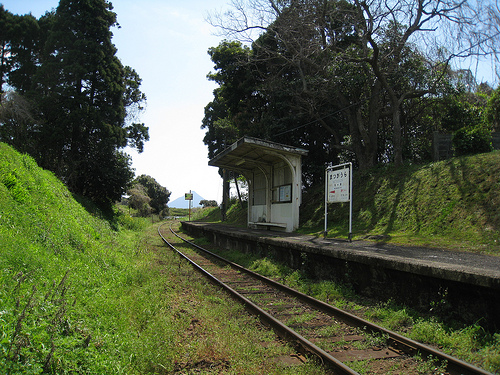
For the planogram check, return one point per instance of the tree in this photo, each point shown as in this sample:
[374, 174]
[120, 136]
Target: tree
[84, 102]
[221, 115]
[378, 55]
[139, 200]
[158, 194]
[6, 24]
[248, 102]
[493, 109]
[16, 122]
[206, 203]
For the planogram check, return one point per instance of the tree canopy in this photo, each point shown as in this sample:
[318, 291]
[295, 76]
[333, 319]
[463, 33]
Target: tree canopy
[157, 194]
[80, 104]
[349, 80]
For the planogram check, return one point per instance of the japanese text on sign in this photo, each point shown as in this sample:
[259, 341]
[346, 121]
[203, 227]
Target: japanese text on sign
[338, 185]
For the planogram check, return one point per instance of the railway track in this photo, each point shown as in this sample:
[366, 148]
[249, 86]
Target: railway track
[336, 337]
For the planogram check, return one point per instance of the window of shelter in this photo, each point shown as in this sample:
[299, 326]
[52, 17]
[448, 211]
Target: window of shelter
[259, 189]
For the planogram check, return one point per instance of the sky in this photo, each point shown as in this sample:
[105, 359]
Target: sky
[166, 42]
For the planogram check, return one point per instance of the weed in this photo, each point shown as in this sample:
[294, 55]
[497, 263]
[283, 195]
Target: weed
[265, 267]
[431, 366]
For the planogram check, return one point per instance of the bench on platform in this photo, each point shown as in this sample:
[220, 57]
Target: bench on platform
[268, 225]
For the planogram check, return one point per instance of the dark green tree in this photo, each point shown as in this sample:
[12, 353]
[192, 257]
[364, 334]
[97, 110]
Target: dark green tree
[25, 45]
[228, 112]
[372, 58]
[206, 203]
[6, 26]
[85, 103]
[158, 194]
[253, 101]
[493, 110]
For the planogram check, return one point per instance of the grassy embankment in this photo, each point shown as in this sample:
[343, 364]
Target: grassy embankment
[452, 204]
[79, 295]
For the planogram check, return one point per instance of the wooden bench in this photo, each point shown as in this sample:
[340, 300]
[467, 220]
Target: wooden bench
[268, 225]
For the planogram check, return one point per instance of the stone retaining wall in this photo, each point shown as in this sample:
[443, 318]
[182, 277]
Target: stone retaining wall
[372, 277]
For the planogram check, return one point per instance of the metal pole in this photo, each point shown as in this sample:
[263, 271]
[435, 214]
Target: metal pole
[190, 205]
[326, 204]
[350, 202]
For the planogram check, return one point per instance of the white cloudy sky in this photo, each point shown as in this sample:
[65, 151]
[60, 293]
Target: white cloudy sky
[166, 42]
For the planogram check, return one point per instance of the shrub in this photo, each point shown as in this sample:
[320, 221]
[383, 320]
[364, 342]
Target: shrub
[472, 140]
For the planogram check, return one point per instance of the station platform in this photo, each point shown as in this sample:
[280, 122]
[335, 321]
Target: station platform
[465, 281]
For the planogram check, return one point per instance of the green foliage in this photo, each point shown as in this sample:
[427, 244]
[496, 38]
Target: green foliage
[212, 215]
[57, 271]
[131, 223]
[391, 316]
[493, 109]
[469, 141]
[453, 203]
[157, 194]
[74, 102]
[11, 182]
[265, 267]
[139, 200]
[459, 114]
[471, 343]
[208, 203]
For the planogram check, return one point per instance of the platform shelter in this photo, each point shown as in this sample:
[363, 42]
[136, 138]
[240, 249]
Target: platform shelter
[274, 175]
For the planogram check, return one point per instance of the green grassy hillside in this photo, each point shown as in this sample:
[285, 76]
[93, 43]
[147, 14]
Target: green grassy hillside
[60, 271]
[453, 203]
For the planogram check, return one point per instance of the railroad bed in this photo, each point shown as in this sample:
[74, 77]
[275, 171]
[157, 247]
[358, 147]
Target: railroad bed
[335, 337]
[468, 284]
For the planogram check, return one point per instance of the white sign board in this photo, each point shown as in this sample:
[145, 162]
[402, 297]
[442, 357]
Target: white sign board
[338, 188]
[338, 185]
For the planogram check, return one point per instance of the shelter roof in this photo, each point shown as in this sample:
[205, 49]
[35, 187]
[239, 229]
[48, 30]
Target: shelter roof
[248, 153]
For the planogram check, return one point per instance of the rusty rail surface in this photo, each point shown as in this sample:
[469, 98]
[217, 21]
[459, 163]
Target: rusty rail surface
[395, 340]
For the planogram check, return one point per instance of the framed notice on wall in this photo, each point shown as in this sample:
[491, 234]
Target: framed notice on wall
[283, 194]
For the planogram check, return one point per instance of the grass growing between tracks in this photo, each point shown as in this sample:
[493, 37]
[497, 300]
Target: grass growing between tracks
[469, 343]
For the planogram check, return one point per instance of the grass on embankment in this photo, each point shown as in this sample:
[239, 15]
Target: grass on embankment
[451, 204]
[79, 296]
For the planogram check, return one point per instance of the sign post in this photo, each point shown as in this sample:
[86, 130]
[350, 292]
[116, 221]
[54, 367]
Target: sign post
[189, 197]
[338, 188]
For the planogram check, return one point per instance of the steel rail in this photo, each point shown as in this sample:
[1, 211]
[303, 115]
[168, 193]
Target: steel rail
[409, 346]
[281, 329]
[454, 365]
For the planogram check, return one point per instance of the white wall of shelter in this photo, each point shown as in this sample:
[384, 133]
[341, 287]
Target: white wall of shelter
[274, 175]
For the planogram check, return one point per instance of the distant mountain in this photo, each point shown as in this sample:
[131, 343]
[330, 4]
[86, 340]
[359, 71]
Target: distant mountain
[182, 203]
